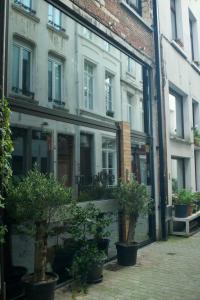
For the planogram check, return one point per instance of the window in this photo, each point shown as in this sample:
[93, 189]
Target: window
[26, 5]
[86, 158]
[130, 65]
[55, 82]
[108, 160]
[88, 84]
[193, 37]
[173, 19]
[87, 33]
[178, 174]
[21, 73]
[109, 93]
[130, 109]
[107, 46]
[176, 114]
[54, 18]
[135, 4]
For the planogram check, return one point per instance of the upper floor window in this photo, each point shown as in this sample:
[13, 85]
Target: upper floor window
[55, 81]
[87, 33]
[174, 19]
[130, 65]
[193, 37]
[21, 73]
[135, 4]
[54, 18]
[26, 5]
[129, 112]
[107, 46]
[109, 94]
[88, 84]
[176, 114]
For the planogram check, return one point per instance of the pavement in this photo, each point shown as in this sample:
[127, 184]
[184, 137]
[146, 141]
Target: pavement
[164, 271]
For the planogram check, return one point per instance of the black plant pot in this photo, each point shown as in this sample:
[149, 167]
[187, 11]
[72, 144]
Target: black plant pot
[181, 210]
[127, 254]
[95, 274]
[40, 290]
[14, 286]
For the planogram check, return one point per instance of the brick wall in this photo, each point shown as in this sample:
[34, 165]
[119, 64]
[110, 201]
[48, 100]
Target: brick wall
[124, 23]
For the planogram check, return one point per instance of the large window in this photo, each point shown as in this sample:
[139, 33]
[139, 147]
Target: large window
[21, 73]
[88, 84]
[173, 19]
[54, 18]
[176, 114]
[108, 160]
[55, 81]
[178, 174]
[135, 4]
[109, 94]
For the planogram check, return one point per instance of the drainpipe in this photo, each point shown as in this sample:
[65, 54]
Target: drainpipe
[161, 125]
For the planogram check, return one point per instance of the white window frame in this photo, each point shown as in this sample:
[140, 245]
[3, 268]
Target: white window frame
[108, 151]
[23, 47]
[88, 103]
[52, 22]
[60, 63]
[109, 95]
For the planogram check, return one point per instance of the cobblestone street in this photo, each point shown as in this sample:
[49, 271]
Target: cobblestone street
[165, 270]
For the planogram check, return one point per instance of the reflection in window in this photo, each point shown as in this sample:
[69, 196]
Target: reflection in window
[19, 157]
[86, 158]
[108, 159]
[65, 159]
[178, 174]
[176, 114]
[88, 84]
[41, 151]
[140, 163]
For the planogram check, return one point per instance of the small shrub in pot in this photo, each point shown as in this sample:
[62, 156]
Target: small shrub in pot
[183, 201]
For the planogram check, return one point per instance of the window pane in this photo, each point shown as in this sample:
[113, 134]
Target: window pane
[177, 175]
[50, 13]
[15, 71]
[27, 3]
[176, 115]
[104, 163]
[57, 17]
[50, 74]
[26, 71]
[57, 82]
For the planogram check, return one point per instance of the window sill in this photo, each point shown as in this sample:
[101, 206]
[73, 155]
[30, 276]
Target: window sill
[90, 113]
[59, 32]
[136, 14]
[195, 67]
[180, 140]
[129, 74]
[24, 98]
[25, 13]
[178, 49]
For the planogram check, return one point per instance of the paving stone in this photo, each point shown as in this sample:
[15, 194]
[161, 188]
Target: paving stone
[165, 271]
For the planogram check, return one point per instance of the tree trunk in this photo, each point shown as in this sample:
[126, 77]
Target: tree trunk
[131, 228]
[40, 252]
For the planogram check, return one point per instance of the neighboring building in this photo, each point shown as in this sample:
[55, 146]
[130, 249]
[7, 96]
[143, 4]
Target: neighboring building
[180, 59]
[82, 95]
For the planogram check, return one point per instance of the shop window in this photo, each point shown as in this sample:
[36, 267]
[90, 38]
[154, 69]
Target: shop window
[21, 73]
[178, 174]
[89, 84]
[65, 159]
[109, 160]
[176, 114]
[86, 158]
[109, 94]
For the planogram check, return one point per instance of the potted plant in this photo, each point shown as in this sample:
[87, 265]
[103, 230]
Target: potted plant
[196, 136]
[36, 202]
[196, 198]
[183, 203]
[87, 228]
[133, 200]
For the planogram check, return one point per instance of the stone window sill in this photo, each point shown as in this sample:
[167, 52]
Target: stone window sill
[25, 13]
[178, 49]
[59, 32]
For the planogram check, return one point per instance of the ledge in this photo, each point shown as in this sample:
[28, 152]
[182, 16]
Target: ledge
[59, 32]
[180, 140]
[25, 99]
[96, 116]
[136, 14]
[179, 49]
[195, 67]
[25, 13]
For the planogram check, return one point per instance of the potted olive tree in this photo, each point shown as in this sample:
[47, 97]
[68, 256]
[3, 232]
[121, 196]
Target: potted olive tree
[35, 203]
[134, 200]
[183, 201]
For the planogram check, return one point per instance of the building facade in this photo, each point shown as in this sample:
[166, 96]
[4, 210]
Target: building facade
[180, 57]
[80, 81]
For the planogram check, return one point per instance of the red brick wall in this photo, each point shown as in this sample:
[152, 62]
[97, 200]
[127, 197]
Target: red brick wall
[121, 21]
